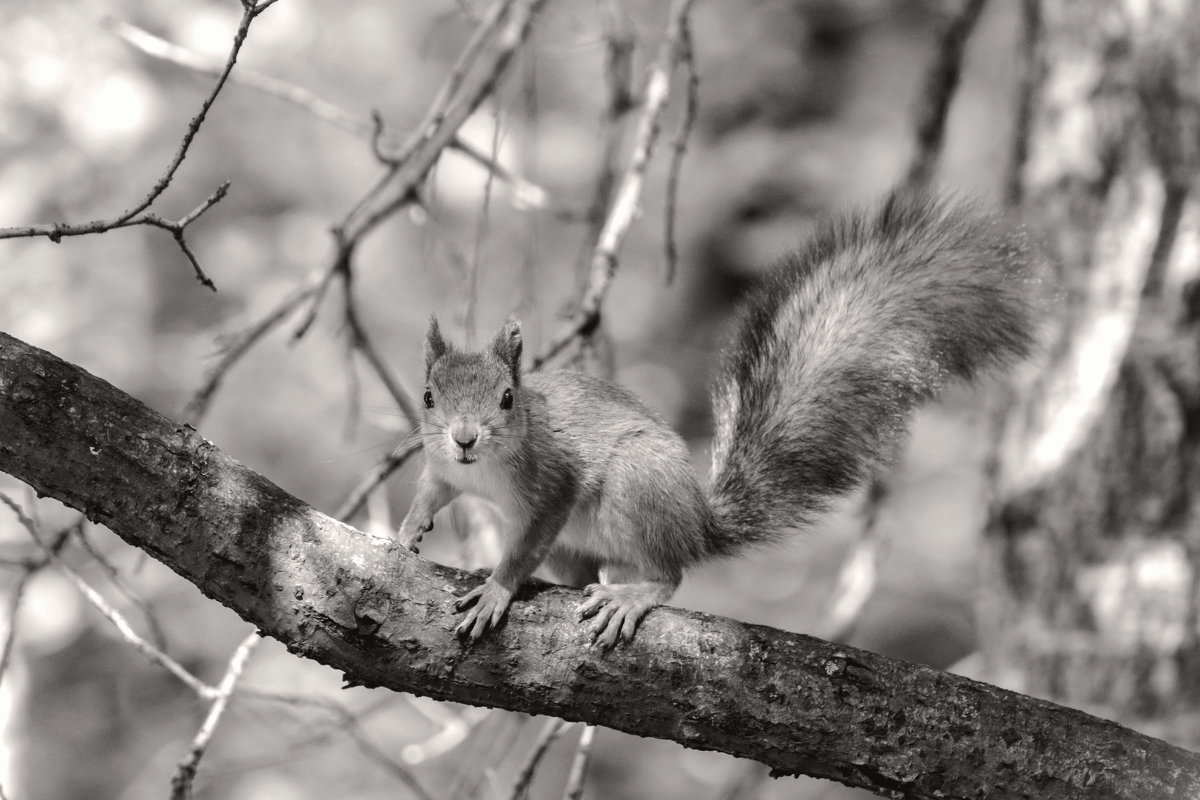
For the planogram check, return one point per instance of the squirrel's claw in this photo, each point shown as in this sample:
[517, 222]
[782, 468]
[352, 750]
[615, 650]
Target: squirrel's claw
[616, 610]
[412, 532]
[488, 603]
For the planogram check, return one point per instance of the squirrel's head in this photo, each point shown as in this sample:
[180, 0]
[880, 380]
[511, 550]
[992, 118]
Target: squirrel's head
[472, 400]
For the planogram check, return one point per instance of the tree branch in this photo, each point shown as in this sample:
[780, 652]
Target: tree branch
[382, 615]
[137, 214]
[940, 83]
[629, 191]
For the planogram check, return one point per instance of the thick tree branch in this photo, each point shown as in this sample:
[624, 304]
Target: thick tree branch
[382, 615]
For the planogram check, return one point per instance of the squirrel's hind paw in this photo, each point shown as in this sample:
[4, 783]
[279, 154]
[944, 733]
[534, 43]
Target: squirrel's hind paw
[616, 609]
[488, 602]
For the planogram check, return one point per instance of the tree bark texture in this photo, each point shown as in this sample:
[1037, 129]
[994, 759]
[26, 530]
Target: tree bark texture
[383, 616]
[1094, 553]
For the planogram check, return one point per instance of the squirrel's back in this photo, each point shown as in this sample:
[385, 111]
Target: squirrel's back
[841, 341]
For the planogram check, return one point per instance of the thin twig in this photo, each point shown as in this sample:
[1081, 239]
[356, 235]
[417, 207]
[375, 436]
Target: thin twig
[452, 732]
[375, 478]
[471, 290]
[14, 607]
[177, 228]
[625, 205]
[408, 175]
[1031, 78]
[261, 6]
[530, 145]
[583, 756]
[940, 83]
[550, 731]
[360, 341]
[436, 115]
[55, 231]
[618, 80]
[112, 615]
[114, 576]
[233, 348]
[31, 567]
[859, 575]
[491, 746]
[185, 772]
[679, 146]
[341, 261]
[350, 724]
[525, 193]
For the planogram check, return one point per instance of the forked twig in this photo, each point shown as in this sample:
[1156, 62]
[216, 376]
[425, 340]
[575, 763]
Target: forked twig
[525, 192]
[625, 204]
[234, 347]
[112, 615]
[185, 772]
[135, 215]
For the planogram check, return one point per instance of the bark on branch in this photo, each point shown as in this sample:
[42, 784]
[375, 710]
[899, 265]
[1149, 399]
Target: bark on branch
[383, 617]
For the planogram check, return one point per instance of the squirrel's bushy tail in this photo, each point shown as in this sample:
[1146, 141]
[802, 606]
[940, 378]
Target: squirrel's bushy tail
[843, 340]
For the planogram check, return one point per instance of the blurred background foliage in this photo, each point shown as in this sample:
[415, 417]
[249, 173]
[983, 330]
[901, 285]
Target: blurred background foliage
[805, 106]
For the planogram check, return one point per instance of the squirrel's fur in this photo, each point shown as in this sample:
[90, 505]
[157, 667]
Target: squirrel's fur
[834, 349]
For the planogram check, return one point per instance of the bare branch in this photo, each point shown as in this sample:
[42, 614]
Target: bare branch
[350, 724]
[550, 731]
[234, 347]
[679, 146]
[112, 615]
[858, 577]
[177, 229]
[619, 44]
[55, 231]
[1031, 78]
[429, 142]
[485, 29]
[471, 289]
[122, 586]
[454, 729]
[341, 263]
[14, 608]
[361, 342]
[583, 756]
[940, 83]
[525, 193]
[625, 205]
[185, 772]
[353, 503]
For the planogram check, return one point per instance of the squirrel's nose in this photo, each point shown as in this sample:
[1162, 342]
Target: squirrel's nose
[464, 434]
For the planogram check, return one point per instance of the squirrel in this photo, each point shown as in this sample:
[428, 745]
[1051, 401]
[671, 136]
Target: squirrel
[833, 350]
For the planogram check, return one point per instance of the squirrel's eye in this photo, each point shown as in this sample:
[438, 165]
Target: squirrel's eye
[506, 400]
[428, 399]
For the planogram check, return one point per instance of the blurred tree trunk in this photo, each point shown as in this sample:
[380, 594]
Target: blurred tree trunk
[1094, 545]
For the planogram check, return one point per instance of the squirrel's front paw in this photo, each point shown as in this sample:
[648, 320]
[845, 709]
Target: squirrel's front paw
[490, 600]
[412, 530]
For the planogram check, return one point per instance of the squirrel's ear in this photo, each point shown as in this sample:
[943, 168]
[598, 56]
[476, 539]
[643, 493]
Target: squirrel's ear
[435, 345]
[507, 347]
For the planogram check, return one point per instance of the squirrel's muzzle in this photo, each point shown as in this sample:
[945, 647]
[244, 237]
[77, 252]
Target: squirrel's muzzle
[464, 434]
